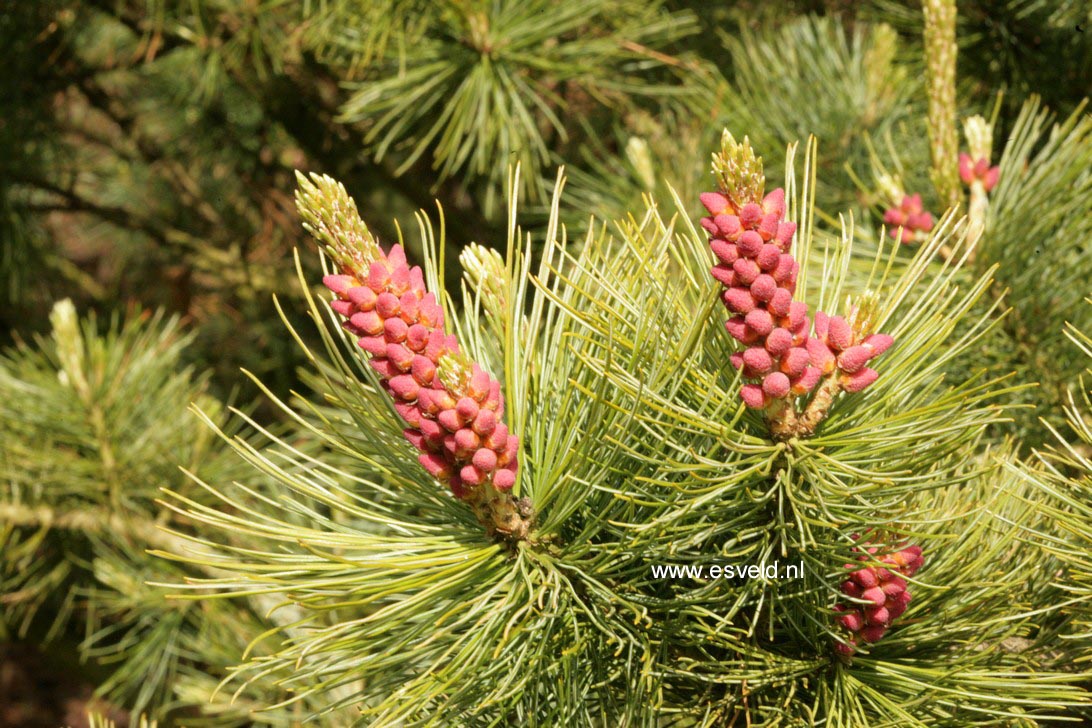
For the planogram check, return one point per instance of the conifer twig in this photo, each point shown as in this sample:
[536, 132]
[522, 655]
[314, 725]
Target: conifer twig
[940, 57]
[975, 171]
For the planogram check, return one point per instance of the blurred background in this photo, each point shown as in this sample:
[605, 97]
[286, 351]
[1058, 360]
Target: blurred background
[147, 148]
[147, 153]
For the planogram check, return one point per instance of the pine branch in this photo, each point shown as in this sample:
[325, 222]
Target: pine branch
[88, 434]
[634, 450]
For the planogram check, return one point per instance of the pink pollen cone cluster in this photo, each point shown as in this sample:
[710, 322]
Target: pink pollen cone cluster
[459, 433]
[884, 592]
[909, 219]
[759, 275]
[970, 171]
[834, 346]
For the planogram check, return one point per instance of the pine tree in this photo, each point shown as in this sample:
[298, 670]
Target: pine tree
[636, 449]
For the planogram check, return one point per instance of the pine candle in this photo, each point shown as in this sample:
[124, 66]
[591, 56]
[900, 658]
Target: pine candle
[453, 409]
[752, 244]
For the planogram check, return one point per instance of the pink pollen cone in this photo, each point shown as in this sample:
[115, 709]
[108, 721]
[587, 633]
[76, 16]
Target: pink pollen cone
[400, 327]
[753, 396]
[715, 202]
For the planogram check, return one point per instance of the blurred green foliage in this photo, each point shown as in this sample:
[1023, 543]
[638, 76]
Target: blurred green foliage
[146, 148]
[147, 152]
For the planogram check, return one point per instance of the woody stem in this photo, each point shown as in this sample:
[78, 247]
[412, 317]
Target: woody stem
[817, 409]
[976, 214]
[501, 513]
[782, 419]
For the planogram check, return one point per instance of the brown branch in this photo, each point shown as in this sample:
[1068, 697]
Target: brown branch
[119, 216]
